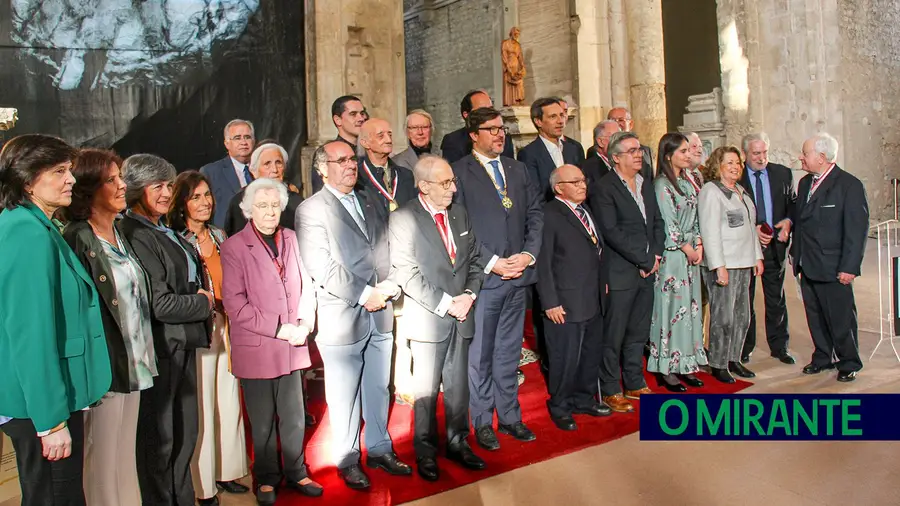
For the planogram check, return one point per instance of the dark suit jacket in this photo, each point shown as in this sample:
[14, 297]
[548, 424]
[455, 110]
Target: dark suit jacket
[594, 169]
[224, 185]
[457, 144]
[422, 267]
[539, 163]
[235, 221]
[89, 250]
[632, 244]
[406, 188]
[647, 164]
[830, 230]
[179, 314]
[569, 265]
[342, 261]
[575, 145]
[500, 231]
[782, 198]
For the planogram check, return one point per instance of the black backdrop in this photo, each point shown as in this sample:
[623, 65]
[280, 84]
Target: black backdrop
[154, 76]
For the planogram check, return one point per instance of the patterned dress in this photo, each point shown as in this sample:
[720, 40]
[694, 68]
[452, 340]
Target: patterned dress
[676, 328]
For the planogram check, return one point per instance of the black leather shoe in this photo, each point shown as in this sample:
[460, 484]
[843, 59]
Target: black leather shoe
[846, 377]
[428, 468]
[738, 369]
[232, 487]
[690, 380]
[676, 387]
[311, 489]
[464, 456]
[745, 359]
[310, 420]
[486, 438]
[354, 477]
[564, 422]
[722, 375]
[597, 409]
[212, 501]
[517, 430]
[812, 368]
[785, 357]
[266, 498]
[390, 463]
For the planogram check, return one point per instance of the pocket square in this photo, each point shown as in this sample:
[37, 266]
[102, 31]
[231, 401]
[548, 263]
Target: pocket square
[832, 205]
[464, 233]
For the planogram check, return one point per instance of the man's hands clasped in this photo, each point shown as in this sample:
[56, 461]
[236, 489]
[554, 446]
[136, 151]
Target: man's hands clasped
[511, 267]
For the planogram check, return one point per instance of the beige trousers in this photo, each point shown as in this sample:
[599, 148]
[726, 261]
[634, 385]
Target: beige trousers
[110, 469]
[221, 453]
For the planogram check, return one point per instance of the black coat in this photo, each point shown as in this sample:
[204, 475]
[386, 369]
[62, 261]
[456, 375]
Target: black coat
[406, 188]
[782, 198]
[89, 250]
[457, 144]
[569, 272]
[830, 230]
[235, 221]
[594, 169]
[632, 243]
[540, 164]
[179, 315]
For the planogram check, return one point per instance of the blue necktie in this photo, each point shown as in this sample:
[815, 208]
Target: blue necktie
[498, 176]
[761, 215]
[247, 176]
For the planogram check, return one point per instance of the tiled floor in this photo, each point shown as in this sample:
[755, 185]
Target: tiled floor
[630, 472]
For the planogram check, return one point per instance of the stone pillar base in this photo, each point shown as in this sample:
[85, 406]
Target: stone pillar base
[518, 120]
[305, 175]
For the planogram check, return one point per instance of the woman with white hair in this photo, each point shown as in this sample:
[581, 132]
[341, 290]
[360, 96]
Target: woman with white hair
[181, 306]
[270, 302]
[267, 161]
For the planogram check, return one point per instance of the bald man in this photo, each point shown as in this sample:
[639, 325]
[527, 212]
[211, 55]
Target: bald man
[622, 116]
[386, 184]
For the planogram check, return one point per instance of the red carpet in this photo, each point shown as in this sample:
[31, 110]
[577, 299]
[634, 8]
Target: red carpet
[551, 442]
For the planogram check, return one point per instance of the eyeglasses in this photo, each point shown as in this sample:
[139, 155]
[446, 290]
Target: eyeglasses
[576, 182]
[419, 128]
[242, 138]
[344, 160]
[446, 184]
[632, 152]
[275, 206]
[494, 130]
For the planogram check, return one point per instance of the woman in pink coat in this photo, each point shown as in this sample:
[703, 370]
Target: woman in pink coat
[270, 303]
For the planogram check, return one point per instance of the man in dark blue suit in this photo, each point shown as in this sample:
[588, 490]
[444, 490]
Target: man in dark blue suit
[508, 222]
[548, 151]
[457, 144]
[229, 175]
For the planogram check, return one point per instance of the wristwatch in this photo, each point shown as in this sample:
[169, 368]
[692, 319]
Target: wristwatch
[471, 294]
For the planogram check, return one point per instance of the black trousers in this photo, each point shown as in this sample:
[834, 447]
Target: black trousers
[574, 352]
[46, 483]
[626, 329]
[831, 315]
[434, 363]
[168, 424]
[776, 317]
[277, 400]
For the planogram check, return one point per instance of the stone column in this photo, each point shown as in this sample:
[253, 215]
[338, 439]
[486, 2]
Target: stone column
[353, 47]
[647, 70]
[592, 54]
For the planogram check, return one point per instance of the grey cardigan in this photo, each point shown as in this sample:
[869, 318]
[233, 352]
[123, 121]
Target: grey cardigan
[728, 227]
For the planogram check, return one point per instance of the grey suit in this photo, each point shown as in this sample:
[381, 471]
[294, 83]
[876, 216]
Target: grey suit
[422, 267]
[355, 344]
[408, 158]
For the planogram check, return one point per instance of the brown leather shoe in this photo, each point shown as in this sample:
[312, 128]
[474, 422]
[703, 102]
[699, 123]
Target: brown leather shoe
[636, 394]
[618, 403]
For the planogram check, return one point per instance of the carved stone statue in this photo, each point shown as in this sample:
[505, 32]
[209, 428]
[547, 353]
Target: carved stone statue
[513, 70]
[8, 117]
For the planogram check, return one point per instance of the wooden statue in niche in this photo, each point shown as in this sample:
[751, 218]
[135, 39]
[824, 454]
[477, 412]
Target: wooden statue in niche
[513, 70]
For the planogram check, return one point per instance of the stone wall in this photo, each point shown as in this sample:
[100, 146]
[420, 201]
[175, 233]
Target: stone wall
[450, 50]
[547, 43]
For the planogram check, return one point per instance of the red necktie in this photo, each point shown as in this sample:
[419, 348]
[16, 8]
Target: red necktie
[445, 236]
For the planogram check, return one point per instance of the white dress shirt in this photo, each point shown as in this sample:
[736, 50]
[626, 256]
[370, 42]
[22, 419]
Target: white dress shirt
[555, 149]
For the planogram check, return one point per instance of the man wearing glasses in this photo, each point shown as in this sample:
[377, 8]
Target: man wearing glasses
[419, 129]
[569, 281]
[507, 204]
[633, 237]
[344, 245]
[229, 175]
[436, 263]
[621, 116]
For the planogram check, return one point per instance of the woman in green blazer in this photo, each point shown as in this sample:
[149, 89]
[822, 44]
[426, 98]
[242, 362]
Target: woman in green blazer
[54, 361]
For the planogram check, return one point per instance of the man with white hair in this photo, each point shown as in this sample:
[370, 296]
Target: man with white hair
[419, 131]
[230, 174]
[387, 186]
[771, 187]
[622, 116]
[830, 223]
[267, 161]
[599, 165]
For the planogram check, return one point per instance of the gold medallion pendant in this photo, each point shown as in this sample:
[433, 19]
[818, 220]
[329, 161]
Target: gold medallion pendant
[393, 206]
[594, 239]
[507, 202]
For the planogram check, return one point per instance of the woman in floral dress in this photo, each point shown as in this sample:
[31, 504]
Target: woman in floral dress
[676, 331]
